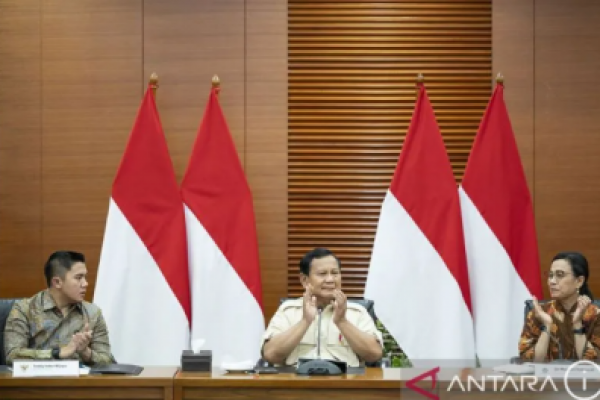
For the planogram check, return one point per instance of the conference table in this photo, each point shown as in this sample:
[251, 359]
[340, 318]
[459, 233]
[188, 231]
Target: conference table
[171, 384]
[374, 384]
[152, 383]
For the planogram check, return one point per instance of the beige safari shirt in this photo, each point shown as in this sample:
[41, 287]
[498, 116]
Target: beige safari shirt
[333, 345]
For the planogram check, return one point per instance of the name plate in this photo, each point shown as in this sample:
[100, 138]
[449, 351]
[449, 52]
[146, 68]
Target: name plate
[37, 368]
[576, 370]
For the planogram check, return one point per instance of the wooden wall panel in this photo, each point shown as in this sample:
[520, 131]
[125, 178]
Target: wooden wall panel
[97, 59]
[72, 74]
[266, 139]
[186, 42]
[352, 73]
[513, 56]
[20, 148]
[92, 86]
[567, 142]
[244, 42]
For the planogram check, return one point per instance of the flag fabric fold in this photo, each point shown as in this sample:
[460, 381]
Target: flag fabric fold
[500, 235]
[227, 315]
[142, 285]
[418, 274]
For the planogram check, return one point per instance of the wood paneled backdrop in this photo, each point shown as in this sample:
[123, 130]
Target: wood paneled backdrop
[352, 73]
[549, 52]
[72, 73]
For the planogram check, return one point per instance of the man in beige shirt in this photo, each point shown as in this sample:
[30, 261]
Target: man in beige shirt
[348, 332]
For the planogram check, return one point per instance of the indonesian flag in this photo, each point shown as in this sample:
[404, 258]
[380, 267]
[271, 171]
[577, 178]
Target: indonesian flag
[227, 315]
[143, 284]
[418, 273]
[500, 237]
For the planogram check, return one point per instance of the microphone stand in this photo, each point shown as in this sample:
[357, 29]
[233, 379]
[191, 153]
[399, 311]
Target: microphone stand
[318, 366]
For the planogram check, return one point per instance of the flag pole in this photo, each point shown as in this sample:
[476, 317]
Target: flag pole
[153, 83]
[216, 84]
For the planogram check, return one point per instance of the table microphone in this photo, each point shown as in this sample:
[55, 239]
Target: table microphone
[319, 366]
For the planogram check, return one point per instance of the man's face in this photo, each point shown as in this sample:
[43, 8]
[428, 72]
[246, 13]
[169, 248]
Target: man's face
[325, 277]
[74, 285]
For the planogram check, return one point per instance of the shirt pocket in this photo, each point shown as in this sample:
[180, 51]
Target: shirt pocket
[335, 337]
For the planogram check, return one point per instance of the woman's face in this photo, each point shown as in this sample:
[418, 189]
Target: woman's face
[561, 280]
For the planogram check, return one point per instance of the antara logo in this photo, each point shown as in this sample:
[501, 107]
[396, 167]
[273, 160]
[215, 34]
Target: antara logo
[525, 383]
[431, 373]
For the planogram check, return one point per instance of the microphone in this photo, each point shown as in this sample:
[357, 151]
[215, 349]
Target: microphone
[318, 366]
[319, 333]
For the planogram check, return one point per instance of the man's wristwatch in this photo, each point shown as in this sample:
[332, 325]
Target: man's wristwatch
[579, 331]
[56, 353]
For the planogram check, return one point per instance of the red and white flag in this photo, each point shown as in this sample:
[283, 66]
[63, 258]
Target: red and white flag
[227, 315]
[143, 284]
[418, 273]
[500, 236]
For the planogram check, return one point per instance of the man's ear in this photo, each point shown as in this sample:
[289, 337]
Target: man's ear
[303, 280]
[56, 282]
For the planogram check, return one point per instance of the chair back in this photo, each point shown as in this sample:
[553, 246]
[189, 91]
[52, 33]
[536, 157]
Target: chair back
[369, 305]
[529, 305]
[5, 306]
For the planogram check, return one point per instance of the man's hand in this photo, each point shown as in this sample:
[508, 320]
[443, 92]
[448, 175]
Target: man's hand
[309, 310]
[68, 350]
[79, 343]
[83, 338]
[339, 307]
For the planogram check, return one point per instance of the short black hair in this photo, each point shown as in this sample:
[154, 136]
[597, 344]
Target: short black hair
[59, 263]
[308, 258]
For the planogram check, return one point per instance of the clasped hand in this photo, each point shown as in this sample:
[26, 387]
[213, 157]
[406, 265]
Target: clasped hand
[339, 304]
[543, 317]
[79, 341]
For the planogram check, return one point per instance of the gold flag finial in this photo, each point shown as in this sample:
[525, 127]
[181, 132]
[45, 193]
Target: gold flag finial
[500, 78]
[420, 80]
[153, 82]
[216, 82]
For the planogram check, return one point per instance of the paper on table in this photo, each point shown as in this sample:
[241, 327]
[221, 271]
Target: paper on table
[515, 369]
[245, 365]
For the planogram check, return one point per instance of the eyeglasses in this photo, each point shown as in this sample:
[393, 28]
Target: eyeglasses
[559, 275]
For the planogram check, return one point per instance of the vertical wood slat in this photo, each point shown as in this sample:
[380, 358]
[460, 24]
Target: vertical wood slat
[352, 68]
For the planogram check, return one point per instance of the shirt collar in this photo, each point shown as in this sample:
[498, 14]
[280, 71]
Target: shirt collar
[49, 304]
[559, 307]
